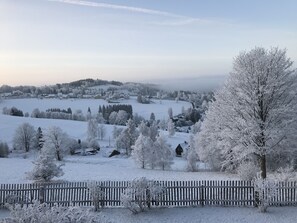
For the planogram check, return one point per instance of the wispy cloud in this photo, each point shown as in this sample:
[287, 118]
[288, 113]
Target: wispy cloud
[120, 7]
[178, 20]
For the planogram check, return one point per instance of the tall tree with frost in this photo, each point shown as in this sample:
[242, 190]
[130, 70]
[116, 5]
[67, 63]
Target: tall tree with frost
[92, 131]
[39, 138]
[140, 151]
[163, 154]
[132, 131]
[153, 130]
[57, 141]
[123, 141]
[254, 114]
[24, 137]
[170, 127]
[170, 112]
[101, 131]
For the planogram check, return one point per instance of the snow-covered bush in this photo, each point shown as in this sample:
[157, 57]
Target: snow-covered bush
[140, 194]
[45, 167]
[43, 213]
[97, 195]
[4, 150]
[265, 191]
[285, 174]
[192, 156]
[247, 171]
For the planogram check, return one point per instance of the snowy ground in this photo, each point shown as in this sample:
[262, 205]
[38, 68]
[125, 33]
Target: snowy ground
[160, 108]
[78, 168]
[100, 167]
[198, 215]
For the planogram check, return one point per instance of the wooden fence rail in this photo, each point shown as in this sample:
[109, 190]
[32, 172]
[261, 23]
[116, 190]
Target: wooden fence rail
[177, 193]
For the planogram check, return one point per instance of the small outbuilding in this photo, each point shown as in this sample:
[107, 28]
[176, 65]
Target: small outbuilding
[179, 150]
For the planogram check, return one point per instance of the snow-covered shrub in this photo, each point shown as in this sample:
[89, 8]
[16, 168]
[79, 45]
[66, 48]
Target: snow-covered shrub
[97, 195]
[247, 171]
[265, 191]
[285, 174]
[192, 156]
[45, 167]
[43, 213]
[4, 150]
[140, 194]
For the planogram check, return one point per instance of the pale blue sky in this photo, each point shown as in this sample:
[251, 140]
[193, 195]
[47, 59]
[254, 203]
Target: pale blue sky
[50, 41]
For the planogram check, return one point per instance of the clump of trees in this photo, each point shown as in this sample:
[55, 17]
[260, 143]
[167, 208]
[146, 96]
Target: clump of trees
[150, 151]
[12, 111]
[108, 109]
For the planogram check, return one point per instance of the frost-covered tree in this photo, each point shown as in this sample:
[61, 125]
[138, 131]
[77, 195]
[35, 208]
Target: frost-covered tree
[100, 118]
[101, 131]
[141, 151]
[254, 115]
[92, 131]
[89, 114]
[152, 117]
[143, 128]
[122, 117]
[132, 131]
[170, 127]
[163, 155]
[153, 130]
[39, 138]
[123, 141]
[170, 113]
[45, 167]
[57, 141]
[192, 156]
[112, 117]
[24, 137]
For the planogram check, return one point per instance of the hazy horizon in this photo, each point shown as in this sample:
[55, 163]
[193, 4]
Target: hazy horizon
[44, 42]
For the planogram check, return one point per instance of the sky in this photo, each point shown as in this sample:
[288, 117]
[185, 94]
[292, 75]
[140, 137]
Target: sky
[45, 42]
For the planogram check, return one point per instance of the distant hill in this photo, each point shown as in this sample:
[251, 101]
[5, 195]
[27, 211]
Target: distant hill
[198, 84]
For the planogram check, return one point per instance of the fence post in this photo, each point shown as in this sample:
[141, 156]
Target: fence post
[202, 194]
[256, 198]
[41, 193]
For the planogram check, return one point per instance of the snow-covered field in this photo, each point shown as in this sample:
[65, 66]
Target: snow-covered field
[160, 108]
[100, 167]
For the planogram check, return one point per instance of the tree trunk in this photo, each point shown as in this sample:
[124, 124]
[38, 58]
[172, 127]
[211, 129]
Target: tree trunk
[59, 158]
[262, 161]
